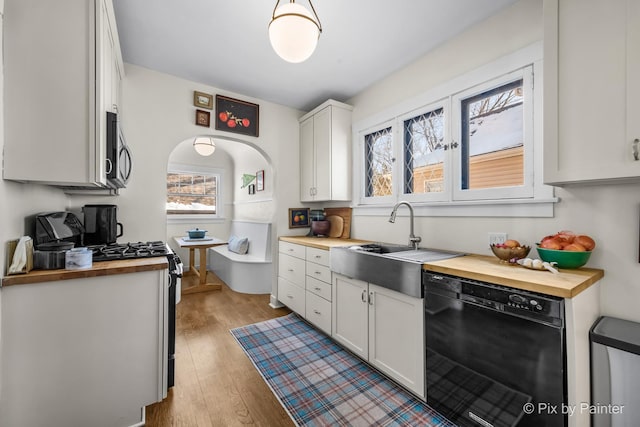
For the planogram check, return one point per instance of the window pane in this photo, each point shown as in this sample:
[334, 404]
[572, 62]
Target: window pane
[424, 153]
[492, 138]
[191, 193]
[379, 163]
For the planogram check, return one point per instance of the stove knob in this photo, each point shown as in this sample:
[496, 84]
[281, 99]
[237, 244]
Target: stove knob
[533, 302]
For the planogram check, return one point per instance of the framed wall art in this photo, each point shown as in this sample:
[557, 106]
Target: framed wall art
[260, 180]
[234, 115]
[203, 118]
[202, 100]
[299, 217]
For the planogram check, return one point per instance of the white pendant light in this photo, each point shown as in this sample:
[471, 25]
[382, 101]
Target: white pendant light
[294, 31]
[204, 145]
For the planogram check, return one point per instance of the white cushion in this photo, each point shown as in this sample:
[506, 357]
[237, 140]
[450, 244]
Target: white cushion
[239, 245]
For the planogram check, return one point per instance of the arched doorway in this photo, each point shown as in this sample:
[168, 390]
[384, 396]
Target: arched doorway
[232, 160]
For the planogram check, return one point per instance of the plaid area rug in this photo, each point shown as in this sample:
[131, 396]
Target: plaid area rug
[321, 384]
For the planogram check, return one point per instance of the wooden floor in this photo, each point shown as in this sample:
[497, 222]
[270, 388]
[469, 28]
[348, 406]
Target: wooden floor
[215, 383]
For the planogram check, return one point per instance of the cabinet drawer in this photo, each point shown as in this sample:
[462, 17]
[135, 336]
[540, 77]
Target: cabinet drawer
[318, 312]
[319, 272]
[319, 288]
[319, 256]
[291, 295]
[292, 269]
[292, 249]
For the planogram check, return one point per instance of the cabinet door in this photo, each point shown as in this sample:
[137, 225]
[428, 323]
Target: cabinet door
[349, 314]
[318, 312]
[307, 161]
[633, 71]
[589, 83]
[322, 148]
[291, 295]
[292, 269]
[396, 336]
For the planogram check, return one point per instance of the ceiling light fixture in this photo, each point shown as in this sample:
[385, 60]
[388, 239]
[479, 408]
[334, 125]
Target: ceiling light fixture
[204, 145]
[293, 31]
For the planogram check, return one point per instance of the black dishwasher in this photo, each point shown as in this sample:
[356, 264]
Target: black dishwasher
[495, 356]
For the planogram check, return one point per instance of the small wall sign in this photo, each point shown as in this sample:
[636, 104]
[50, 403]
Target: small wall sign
[202, 100]
[203, 118]
[260, 180]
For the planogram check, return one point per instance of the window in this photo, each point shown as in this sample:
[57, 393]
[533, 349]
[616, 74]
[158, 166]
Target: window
[192, 193]
[492, 138]
[494, 156]
[424, 152]
[379, 163]
[467, 144]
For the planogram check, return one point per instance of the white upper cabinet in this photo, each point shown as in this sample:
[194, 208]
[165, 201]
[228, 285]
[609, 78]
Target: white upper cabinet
[592, 91]
[325, 153]
[62, 70]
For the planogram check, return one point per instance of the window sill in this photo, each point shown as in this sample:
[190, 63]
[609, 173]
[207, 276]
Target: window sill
[200, 219]
[517, 208]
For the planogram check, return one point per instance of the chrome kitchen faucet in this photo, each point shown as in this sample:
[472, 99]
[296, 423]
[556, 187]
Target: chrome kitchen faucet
[413, 239]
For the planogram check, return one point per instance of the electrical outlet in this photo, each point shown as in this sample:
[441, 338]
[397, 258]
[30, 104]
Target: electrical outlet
[497, 238]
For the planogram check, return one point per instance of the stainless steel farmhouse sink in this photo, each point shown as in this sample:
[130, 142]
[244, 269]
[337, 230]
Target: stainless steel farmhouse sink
[396, 267]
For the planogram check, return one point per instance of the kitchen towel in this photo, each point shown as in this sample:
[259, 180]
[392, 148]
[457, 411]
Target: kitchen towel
[24, 249]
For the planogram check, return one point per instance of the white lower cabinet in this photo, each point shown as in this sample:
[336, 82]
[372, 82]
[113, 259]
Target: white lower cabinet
[291, 295]
[382, 326]
[84, 352]
[304, 283]
[350, 314]
[318, 311]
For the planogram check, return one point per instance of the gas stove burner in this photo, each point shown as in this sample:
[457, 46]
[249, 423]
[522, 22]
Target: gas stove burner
[118, 251]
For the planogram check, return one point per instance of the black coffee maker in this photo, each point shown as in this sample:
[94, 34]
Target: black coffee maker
[101, 224]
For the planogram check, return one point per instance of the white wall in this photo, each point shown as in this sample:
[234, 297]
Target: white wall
[609, 213]
[158, 114]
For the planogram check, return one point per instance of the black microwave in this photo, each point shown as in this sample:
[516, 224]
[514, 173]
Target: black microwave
[118, 154]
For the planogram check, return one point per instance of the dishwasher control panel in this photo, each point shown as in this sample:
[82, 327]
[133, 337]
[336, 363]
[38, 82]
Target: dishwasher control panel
[545, 308]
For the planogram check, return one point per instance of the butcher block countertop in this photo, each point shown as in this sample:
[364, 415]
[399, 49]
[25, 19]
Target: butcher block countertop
[566, 284]
[322, 242]
[103, 268]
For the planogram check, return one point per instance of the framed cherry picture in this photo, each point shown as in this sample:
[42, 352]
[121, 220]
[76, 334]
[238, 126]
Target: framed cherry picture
[234, 115]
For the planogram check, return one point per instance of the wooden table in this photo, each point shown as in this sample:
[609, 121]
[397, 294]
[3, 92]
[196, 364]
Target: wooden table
[202, 245]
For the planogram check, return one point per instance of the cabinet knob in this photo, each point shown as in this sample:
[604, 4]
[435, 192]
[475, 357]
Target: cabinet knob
[317, 289]
[317, 312]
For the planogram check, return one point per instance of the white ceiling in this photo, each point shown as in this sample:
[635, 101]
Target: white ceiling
[225, 43]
